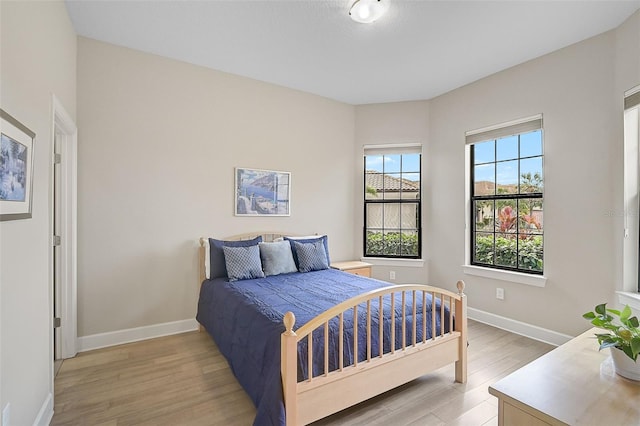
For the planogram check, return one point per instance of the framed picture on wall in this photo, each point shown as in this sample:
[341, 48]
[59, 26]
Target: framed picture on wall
[262, 192]
[16, 168]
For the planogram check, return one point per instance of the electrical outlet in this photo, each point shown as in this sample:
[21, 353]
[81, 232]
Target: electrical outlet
[392, 275]
[6, 415]
[500, 293]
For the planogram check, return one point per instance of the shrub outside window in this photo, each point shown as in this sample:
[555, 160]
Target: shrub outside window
[392, 209]
[507, 202]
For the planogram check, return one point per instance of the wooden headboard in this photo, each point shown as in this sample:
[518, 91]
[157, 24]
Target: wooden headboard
[266, 237]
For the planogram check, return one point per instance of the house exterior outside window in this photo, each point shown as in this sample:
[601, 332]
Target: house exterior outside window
[392, 202]
[507, 198]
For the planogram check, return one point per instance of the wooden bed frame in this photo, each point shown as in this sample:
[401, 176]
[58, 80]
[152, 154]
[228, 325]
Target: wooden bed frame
[327, 393]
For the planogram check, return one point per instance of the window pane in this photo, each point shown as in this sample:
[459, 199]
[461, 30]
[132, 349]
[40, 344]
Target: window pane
[392, 163]
[411, 163]
[409, 243]
[373, 162]
[483, 248]
[484, 180]
[374, 244]
[484, 215]
[410, 185]
[530, 214]
[484, 152]
[530, 254]
[374, 216]
[507, 148]
[392, 184]
[392, 243]
[507, 217]
[373, 186]
[507, 177]
[506, 250]
[531, 175]
[391, 219]
[531, 144]
[409, 216]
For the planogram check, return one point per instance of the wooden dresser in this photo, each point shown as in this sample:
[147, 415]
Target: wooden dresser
[573, 384]
[354, 267]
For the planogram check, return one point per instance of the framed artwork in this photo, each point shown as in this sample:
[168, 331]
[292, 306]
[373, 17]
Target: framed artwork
[262, 192]
[16, 168]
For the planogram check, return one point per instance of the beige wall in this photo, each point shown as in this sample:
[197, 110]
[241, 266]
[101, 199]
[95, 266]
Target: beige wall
[158, 143]
[574, 89]
[38, 58]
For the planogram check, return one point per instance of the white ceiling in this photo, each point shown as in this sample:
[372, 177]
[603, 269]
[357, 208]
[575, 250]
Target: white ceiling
[419, 50]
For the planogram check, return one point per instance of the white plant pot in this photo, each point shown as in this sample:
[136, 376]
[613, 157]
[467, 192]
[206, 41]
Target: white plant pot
[624, 365]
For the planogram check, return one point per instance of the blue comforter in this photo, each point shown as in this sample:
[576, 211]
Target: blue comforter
[245, 320]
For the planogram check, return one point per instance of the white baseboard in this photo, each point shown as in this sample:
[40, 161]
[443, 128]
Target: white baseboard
[532, 331]
[102, 340]
[46, 412]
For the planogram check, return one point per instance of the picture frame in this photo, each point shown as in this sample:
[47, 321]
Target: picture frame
[262, 192]
[16, 168]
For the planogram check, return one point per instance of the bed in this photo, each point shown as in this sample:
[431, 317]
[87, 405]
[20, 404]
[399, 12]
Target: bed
[305, 345]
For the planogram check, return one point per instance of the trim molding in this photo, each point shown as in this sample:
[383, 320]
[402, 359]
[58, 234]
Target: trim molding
[386, 261]
[532, 331]
[499, 274]
[119, 337]
[46, 412]
[66, 138]
[629, 298]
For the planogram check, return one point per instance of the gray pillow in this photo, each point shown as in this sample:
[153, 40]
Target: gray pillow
[243, 263]
[277, 258]
[311, 256]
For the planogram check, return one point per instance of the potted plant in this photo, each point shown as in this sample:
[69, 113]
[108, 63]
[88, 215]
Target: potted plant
[623, 337]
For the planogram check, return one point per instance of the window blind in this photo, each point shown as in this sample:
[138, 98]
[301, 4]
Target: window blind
[388, 149]
[632, 100]
[510, 128]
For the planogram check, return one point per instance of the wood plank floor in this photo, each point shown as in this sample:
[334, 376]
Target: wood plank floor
[184, 380]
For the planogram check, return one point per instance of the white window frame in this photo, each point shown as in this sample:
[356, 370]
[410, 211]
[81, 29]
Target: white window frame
[486, 133]
[630, 293]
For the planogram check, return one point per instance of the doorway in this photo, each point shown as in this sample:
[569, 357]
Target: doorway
[64, 236]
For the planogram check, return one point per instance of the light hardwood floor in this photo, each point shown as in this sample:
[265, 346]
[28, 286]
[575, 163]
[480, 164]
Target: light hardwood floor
[184, 380]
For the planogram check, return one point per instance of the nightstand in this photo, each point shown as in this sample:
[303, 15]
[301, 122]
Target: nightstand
[354, 267]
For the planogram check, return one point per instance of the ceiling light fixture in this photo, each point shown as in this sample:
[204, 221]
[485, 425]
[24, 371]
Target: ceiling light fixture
[367, 11]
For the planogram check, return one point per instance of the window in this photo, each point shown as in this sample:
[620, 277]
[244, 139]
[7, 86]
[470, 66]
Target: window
[506, 190]
[631, 268]
[392, 209]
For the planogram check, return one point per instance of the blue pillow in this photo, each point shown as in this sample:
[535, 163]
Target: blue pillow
[216, 255]
[322, 238]
[277, 258]
[243, 263]
[311, 256]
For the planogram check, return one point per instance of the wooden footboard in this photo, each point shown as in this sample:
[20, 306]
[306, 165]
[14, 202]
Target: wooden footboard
[331, 391]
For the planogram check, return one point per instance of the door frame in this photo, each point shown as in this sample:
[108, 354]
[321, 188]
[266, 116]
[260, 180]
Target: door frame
[64, 128]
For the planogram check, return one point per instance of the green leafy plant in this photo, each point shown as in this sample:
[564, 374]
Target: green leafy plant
[506, 251]
[623, 334]
[391, 243]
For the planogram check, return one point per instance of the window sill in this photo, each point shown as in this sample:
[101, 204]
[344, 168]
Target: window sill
[629, 298]
[514, 277]
[383, 261]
